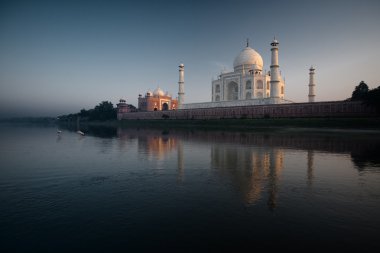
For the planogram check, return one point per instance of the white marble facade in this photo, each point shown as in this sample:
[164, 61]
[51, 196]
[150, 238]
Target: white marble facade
[248, 80]
[232, 103]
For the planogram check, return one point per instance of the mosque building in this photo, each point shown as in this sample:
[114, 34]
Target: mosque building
[158, 100]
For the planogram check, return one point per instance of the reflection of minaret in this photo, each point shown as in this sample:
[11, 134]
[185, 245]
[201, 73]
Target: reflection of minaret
[276, 165]
[181, 166]
[260, 167]
[310, 167]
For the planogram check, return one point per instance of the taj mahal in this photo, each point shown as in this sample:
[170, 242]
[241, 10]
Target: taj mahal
[247, 92]
[248, 81]
[247, 85]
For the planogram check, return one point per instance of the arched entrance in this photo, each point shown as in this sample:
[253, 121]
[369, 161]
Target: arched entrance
[260, 84]
[232, 91]
[248, 85]
[165, 106]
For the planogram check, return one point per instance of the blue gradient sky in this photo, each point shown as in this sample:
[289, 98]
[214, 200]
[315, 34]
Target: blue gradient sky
[58, 57]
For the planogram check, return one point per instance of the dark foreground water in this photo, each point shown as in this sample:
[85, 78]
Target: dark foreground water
[187, 191]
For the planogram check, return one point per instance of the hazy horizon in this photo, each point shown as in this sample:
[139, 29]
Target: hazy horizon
[58, 57]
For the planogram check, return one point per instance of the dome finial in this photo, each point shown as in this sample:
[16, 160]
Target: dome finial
[247, 42]
[274, 42]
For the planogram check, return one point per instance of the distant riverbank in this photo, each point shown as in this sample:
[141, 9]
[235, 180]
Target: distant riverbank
[355, 124]
[241, 124]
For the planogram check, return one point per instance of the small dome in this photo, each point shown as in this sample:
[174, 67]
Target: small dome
[149, 93]
[158, 92]
[248, 56]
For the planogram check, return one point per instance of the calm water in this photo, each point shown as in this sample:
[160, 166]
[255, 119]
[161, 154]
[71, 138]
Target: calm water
[187, 191]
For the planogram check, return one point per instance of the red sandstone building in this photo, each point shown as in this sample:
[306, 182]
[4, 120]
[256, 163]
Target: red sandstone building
[123, 107]
[157, 101]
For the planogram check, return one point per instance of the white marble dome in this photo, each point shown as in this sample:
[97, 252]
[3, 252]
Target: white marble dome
[248, 56]
[158, 92]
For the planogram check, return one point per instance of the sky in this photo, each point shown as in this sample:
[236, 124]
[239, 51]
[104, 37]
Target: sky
[57, 57]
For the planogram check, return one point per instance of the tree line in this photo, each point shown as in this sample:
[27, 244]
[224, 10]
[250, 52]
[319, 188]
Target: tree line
[369, 97]
[106, 111]
[101, 112]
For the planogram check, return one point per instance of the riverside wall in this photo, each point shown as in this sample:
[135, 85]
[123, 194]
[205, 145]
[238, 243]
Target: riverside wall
[294, 110]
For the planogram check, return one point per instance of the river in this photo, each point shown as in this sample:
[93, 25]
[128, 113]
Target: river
[173, 190]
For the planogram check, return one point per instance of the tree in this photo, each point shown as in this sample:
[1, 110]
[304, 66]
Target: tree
[372, 98]
[360, 91]
[103, 111]
[83, 113]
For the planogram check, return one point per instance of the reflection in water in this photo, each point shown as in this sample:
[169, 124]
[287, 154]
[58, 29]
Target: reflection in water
[363, 149]
[366, 156]
[310, 167]
[156, 145]
[180, 160]
[252, 162]
[275, 167]
[92, 130]
[249, 169]
[207, 188]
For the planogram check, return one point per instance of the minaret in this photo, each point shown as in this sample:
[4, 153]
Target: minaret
[181, 86]
[274, 71]
[243, 71]
[311, 85]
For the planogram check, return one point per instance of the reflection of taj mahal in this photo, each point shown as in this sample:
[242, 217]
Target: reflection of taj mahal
[255, 172]
[253, 164]
[250, 169]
